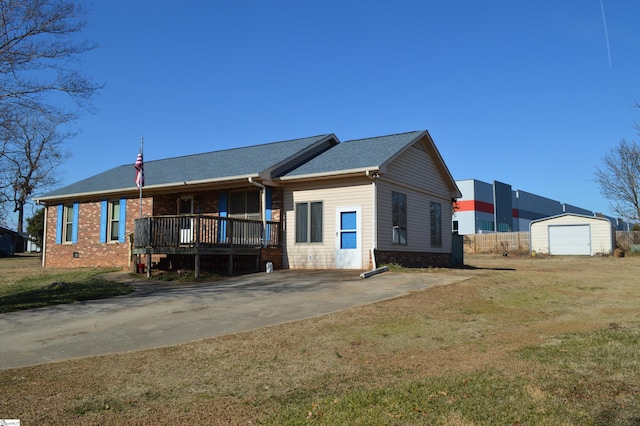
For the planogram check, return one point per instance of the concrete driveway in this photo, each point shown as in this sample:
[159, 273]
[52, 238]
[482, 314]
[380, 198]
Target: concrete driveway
[159, 314]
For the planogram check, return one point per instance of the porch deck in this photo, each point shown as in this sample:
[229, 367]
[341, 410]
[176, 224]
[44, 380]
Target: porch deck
[203, 235]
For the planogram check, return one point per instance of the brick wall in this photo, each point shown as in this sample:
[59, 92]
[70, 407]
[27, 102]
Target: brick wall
[273, 255]
[89, 251]
[165, 204]
[277, 196]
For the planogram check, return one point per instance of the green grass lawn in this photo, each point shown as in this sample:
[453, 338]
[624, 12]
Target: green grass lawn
[45, 288]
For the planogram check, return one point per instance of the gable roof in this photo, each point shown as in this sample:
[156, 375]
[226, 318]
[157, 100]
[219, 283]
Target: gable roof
[297, 159]
[371, 154]
[356, 155]
[252, 161]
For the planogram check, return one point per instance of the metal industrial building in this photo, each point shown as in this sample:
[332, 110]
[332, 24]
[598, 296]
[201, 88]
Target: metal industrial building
[496, 207]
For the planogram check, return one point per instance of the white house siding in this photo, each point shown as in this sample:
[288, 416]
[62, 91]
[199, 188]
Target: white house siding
[415, 167]
[333, 194]
[418, 220]
[600, 230]
[415, 174]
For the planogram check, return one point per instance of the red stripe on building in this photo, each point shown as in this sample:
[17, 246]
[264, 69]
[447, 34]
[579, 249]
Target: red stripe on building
[514, 213]
[471, 205]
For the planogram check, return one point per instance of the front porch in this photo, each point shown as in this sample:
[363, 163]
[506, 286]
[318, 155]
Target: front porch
[204, 235]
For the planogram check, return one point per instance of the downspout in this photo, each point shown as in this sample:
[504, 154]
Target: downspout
[44, 236]
[263, 208]
[374, 213]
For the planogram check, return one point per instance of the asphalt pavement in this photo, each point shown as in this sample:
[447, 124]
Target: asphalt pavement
[161, 314]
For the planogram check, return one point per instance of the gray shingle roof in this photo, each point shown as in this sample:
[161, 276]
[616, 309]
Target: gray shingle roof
[310, 156]
[357, 154]
[251, 160]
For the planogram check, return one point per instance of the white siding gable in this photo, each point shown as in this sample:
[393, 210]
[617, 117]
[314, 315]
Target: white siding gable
[414, 173]
[416, 168]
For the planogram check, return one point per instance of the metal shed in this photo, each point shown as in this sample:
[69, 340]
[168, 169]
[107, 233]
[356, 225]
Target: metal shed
[572, 234]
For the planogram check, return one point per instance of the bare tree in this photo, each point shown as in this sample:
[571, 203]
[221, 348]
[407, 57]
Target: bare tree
[40, 53]
[38, 50]
[619, 179]
[32, 155]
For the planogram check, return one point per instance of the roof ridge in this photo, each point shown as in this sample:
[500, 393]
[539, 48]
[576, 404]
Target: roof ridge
[385, 136]
[229, 149]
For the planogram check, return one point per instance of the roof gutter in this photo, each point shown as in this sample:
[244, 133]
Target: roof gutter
[43, 200]
[328, 174]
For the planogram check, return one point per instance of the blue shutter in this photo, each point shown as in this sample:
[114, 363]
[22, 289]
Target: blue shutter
[269, 195]
[222, 211]
[123, 220]
[74, 226]
[269, 202]
[59, 224]
[104, 206]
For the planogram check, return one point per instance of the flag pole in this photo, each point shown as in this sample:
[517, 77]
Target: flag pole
[139, 166]
[141, 185]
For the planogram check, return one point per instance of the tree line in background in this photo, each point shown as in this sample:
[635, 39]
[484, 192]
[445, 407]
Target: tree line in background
[42, 92]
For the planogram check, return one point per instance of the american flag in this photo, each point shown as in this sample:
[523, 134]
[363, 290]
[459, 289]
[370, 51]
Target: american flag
[139, 171]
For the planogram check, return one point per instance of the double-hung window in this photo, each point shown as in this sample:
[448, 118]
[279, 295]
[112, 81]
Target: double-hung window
[436, 224]
[309, 222]
[67, 223]
[399, 217]
[112, 220]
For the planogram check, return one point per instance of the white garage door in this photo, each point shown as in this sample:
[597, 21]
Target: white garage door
[570, 239]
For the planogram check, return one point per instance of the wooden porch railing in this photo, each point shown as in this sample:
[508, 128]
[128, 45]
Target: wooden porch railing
[204, 231]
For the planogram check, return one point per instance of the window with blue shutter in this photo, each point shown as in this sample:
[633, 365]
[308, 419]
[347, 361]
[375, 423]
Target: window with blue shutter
[67, 223]
[113, 215]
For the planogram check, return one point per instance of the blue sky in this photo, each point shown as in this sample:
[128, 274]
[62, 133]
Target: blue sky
[528, 93]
